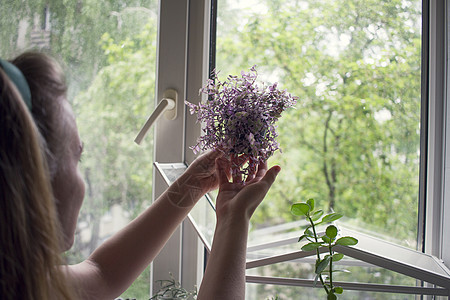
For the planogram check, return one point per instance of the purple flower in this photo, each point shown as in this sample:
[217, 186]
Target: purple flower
[240, 118]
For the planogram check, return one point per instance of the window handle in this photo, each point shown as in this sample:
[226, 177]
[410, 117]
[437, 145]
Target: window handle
[167, 106]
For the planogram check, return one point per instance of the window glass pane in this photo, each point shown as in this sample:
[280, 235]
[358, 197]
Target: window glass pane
[108, 52]
[352, 143]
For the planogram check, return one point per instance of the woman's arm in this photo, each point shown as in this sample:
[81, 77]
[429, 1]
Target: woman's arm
[225, 272]
[122, 258]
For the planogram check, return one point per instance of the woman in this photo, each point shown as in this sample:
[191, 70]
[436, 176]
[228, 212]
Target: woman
[29, 232]
[55, 180]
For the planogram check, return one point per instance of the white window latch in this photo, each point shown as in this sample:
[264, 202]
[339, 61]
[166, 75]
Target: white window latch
[167, 106]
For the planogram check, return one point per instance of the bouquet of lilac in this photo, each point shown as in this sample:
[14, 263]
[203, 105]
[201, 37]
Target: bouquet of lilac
[240, 117]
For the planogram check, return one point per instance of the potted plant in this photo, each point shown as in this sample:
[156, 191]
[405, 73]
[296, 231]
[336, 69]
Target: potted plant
[172, 289]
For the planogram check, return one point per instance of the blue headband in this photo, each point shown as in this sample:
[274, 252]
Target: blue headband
[18, 79]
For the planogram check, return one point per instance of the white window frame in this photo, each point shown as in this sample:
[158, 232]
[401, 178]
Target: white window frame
[183, 52]
[445, 211]
[436, 141]
[183, 45]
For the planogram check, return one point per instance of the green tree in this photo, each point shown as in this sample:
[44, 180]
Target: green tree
[76, 29]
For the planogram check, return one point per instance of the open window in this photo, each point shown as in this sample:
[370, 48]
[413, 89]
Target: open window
[368, 138]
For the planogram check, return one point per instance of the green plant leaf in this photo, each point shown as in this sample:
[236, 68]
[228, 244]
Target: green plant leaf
[316, 278]
[326, 239]
[338, 290]
[302, 237]
[310, 202]
[309, 232]
[322, 265]
[331, 217]
[331, 231]
[316, 215]
[300, 209]
[346, 241]
[331, 296]
[311, 246]
[338, 256]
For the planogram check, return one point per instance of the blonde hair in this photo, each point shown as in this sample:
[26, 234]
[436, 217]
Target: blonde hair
[29, 229]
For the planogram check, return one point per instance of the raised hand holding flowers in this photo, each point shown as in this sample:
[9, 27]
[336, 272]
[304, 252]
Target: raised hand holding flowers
[240, 118]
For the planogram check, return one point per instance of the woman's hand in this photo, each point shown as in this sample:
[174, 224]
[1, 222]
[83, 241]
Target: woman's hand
[224, 278]
[203, 171]
[239, 199]
[199, 179]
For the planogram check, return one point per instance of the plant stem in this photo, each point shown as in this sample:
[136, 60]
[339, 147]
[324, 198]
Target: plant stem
[318, 253]
[331, 266]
